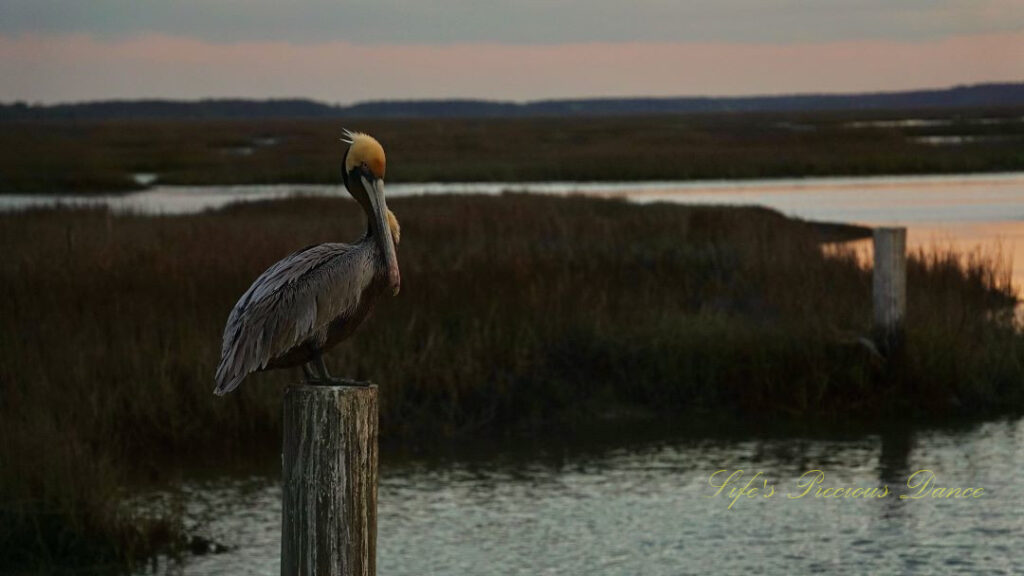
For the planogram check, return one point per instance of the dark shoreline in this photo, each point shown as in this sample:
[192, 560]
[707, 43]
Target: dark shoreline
[88, 156]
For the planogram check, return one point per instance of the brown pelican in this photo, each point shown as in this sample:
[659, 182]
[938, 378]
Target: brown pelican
[316, 297]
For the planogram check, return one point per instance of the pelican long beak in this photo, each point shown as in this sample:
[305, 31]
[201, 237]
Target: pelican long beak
[375, 190]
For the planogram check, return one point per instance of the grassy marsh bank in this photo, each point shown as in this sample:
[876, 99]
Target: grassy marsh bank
[68, 156]
[516, 313]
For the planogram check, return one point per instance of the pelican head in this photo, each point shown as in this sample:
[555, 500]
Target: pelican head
[365, 154]
[363, 175]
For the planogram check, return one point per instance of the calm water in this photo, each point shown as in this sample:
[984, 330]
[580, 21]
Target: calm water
[907, 199]
[962, 211]
[647, 508]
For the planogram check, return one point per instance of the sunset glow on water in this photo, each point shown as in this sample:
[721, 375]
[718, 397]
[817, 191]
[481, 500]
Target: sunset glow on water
[967, 212]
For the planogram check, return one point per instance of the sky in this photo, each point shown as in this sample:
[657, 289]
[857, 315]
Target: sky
[348, 51]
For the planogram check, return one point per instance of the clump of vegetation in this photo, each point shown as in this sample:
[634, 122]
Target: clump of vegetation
[76, 155]
[516, 313]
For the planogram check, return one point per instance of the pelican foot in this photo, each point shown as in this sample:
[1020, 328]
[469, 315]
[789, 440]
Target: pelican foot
[312, 378]
[317, 375]
[335, 381]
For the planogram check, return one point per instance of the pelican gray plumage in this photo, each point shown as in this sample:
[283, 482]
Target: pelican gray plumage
[316, 297]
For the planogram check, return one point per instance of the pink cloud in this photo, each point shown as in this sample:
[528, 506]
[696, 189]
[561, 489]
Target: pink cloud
[64, 68]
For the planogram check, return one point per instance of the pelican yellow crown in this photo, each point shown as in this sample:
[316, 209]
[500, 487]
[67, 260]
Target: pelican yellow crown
[366, 150]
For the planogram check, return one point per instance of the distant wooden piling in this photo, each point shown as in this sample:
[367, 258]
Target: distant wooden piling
[329, 515]
[889, 288]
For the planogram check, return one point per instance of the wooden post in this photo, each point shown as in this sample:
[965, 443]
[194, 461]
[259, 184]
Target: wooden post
[889, 287]
[329, 513]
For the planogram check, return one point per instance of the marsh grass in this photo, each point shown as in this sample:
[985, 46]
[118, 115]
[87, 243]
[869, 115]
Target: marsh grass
[68, 156]
[517, 313]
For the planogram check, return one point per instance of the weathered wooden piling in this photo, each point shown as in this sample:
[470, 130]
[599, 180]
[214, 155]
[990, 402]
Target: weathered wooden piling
[329, 515]
[889, 283]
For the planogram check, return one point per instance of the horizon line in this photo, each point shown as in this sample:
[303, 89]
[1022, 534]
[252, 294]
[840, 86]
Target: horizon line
[512, 102]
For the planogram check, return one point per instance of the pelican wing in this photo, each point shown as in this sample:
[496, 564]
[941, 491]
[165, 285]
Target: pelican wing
[290, 304]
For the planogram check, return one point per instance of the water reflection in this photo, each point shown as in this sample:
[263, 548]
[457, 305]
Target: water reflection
[894, 456]
[958, 211]
[958, 197]
[647, 508]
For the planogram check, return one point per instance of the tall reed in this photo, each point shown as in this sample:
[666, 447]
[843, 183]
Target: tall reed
[517, 313]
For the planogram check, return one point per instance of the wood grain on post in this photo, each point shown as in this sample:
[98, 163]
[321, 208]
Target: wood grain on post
[889, 286]
[329, 515]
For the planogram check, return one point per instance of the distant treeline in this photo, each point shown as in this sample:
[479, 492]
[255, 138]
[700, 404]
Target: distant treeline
[976, 96]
